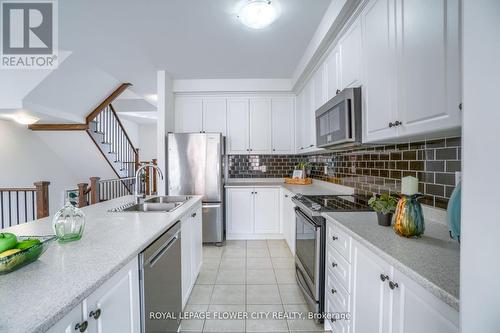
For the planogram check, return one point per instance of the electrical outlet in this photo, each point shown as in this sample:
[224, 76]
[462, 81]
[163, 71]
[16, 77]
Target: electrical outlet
[263, 168]
[326, 169]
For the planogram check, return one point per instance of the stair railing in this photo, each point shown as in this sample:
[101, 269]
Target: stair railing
[23, 204]
[103, 190]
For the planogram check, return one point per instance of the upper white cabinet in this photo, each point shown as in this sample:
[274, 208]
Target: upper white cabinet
[429, 65]
[411, 68]
[188, 114]
[350, 57]
[306, 123]
[214, 115]
[379, 89]
[237, 140]
[283, 123]
[332, 70]
[260, 126]
[319, 88]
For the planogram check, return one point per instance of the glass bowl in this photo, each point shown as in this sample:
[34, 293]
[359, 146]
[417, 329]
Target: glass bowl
[19, 259]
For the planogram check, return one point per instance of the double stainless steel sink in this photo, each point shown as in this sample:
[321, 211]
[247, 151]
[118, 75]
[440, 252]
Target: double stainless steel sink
[162, 204]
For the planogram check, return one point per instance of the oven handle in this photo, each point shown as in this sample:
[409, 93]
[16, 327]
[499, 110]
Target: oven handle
[305, 217]
[303, 286]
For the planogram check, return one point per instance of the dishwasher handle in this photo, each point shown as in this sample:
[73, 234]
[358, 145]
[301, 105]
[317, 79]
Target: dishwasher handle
[164, 248]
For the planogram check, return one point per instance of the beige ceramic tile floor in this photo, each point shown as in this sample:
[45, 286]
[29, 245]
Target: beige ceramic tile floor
[252, 277]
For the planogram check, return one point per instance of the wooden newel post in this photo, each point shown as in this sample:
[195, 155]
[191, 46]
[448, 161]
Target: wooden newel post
[137, 162]
[42, 199]
[94, 190]
[155, 162]
[147, 181]
[82, 194]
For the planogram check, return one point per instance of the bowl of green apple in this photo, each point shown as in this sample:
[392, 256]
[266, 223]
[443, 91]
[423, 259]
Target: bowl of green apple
[18, 251]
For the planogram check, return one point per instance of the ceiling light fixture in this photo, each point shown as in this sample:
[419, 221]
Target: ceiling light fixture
[258, 14]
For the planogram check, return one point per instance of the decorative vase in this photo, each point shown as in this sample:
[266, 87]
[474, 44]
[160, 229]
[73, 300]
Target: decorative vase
[409, 220]
[384, 219]
[304, 175]
[68, 223]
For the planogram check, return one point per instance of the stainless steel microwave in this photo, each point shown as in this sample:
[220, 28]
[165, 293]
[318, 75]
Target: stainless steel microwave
[338, 121]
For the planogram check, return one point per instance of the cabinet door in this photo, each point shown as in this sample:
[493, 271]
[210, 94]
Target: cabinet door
[299, 122]
[214, 115]
[260, 126]
[288, 218]
[412, 303]
[308, 117]
[350, 57]
[68, 323]
[371, 294]
[429, 67]
[283, 117]
[240, 211]
[118, 300]
[319, 88]
[332, 73]
[188, 114]
[378, 39]
[237, 126]
[197, 243]
[186, 257]
[267, 216]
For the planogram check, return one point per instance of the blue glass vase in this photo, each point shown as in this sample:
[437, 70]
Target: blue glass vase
[409, 221]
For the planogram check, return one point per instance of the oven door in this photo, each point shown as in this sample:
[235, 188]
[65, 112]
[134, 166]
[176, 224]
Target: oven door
[307, 255]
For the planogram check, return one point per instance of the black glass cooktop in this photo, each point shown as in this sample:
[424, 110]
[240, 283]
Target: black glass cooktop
[334, 203]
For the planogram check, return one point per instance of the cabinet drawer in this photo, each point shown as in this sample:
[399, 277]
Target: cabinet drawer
[337, 294]
[339, 240]
[338, 324]
[337, 265]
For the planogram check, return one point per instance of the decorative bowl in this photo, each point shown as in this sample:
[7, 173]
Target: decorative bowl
[19, 259]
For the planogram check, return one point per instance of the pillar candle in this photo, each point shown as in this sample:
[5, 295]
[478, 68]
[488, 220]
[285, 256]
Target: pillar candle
[409, 185]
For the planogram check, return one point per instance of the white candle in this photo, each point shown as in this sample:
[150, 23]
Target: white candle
[409, 185]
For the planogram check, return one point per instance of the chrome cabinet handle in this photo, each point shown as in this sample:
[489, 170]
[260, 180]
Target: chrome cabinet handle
[286, 195]
[393, 285]
[193, 215]
[334, 265]
[384, 277]
[335, 238]
[333, 291]
[311, 145]
[95, 314]
[397, 123]
[337, 92]
[82, 327]
[391, 125]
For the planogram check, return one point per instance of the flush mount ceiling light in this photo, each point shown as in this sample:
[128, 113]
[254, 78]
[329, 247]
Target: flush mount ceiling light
[258, 14]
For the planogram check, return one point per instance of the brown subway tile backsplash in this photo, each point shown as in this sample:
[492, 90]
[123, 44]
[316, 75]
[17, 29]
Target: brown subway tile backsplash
[369, 170]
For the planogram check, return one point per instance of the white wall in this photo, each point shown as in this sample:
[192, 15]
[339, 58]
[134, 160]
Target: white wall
[480, 249]
[25, 159]
[148, 142]
[166, 120]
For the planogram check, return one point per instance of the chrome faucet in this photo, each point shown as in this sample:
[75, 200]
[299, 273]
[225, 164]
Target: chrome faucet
[138, 196]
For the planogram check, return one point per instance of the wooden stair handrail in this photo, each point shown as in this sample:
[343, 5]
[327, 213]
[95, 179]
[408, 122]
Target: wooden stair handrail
[58, 127]
[107, 101]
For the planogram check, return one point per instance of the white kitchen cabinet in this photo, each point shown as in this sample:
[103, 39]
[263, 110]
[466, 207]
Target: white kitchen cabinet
[197, 246]
[299, 122]
[288, 219]
[188, 114]
[214, 115]
[412, 303]
[350, 57]
[428, 65]
[332, 70]
[113, 307]
[379, 88]
[260, 126]
[240, 211]
[308, 118]
[371, 308]
[237, 140]
[266, 211]
[253, 213]
[319, 88]
[283, 125]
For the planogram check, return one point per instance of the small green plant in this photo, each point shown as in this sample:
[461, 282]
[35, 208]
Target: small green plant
[302, 165]
[383, 203]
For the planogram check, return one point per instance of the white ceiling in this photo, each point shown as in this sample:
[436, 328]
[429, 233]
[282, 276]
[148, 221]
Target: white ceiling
[191, 39]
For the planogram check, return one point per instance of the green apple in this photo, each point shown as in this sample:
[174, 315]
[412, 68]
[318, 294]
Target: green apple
[7, 241]
[27, 243]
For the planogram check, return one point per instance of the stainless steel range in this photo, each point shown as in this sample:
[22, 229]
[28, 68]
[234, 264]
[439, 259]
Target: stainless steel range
[310, 241]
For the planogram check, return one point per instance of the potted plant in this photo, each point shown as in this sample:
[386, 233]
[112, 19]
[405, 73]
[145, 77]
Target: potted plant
[385, 206]
[302, 166]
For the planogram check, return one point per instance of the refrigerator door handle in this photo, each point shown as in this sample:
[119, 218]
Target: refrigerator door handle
[211, 205]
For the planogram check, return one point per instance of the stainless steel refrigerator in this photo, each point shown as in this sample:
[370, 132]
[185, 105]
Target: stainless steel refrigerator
[195, 166]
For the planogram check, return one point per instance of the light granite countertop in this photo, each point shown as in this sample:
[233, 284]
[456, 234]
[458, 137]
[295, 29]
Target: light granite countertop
[432, 261]
[36, 296]
[318, 187]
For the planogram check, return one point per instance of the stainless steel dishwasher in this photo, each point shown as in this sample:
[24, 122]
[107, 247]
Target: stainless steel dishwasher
[160, 277]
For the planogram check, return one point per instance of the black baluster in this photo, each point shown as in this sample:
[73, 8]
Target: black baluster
[25, 207]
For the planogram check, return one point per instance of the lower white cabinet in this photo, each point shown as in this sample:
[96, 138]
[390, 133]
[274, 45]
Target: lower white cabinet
[379, 297]
[253, 213]
[191, 250]
[288, 219]
[113, 307]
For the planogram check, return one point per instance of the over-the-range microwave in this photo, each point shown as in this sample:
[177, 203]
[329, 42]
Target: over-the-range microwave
[338, 121]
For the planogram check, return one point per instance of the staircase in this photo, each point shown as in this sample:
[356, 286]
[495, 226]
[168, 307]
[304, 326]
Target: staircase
[107, 132]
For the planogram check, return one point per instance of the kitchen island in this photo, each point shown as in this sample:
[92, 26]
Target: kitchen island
[37, 296]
